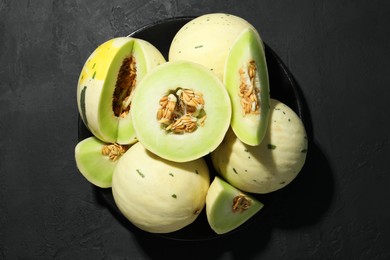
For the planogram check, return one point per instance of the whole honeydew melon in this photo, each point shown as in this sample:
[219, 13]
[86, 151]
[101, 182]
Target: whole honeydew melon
[207, 40]
[271, 165]
[157, 195]
[106, 84]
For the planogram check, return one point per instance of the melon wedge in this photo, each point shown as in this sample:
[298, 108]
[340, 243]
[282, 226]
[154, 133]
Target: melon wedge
[246, 79]
[227, 207]
[96, 165]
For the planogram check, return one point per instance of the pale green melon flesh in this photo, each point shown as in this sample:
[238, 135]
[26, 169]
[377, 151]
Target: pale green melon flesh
[95, 167]
[147, 57]
[157, 195]
[271, 165]
[187, 146]
[97, 84]
[220, 207]
[249, 128]
[207, 39]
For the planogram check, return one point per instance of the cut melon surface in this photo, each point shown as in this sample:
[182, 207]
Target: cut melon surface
[203, 130]
[92, 164]
[227, 207]
[246, 79]
[108, 76]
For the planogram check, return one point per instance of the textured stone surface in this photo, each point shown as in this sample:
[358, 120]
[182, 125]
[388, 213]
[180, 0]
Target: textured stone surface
[337, 209]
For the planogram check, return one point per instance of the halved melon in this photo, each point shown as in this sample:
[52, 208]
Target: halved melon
[227, 207]
[97, 160]
[157, 195]
[207, 40]
[246, 79]
[271, 165]
[181, 111]
[106, 84]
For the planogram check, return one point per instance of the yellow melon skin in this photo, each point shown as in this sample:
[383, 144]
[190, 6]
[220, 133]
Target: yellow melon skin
[157, 195]
[97, 81]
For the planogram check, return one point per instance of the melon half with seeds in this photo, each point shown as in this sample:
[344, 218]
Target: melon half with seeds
[157, 195]
[227, 207]
[181, 111]
[271, 165]
[246, 79]
[106, 84]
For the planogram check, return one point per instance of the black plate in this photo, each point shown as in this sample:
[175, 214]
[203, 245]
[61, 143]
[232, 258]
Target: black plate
[283, 88]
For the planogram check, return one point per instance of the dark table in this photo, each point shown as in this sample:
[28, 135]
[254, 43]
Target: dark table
[338, 53]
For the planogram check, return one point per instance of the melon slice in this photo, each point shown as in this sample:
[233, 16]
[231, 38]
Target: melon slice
[157, 195]
[181, 111]
[106, 84]
[227, 207]
[271, 165]
[97, 160]
[246, 79]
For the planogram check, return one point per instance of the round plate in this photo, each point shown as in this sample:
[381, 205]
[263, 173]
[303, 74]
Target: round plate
[283, 88]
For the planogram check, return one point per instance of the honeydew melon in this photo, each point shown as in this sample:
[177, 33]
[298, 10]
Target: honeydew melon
[181, 111]
[97, 160]
[207, 40]
[157, 195]
[271, 165]
[105, 85]
[246, 79]
[227, 207]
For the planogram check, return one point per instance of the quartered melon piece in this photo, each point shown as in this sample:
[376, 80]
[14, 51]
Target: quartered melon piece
[207, 40]
[97, 160]
[271, 165]
[246, 79]
[181, 111]
[106, 85]
[157, 195]
[227, 207]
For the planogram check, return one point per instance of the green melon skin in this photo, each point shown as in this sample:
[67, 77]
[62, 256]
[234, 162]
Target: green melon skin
[219, 207]
[249, 128]
[97, 81]
[188, 146]
[271, 165]
[95, 167]
[207, 40]
[156, 195]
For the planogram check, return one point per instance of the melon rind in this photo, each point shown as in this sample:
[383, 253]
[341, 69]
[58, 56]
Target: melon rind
[207, 40]
[95, 167]
[97, 83]
[271, 165]
[157, 195]
[219, 202]
[188, 146]
[249, 128]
